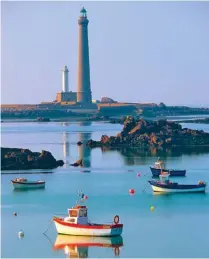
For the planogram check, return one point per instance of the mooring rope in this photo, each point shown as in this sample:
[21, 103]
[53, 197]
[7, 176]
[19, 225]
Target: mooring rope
[48, 226]
[143, 190]
[48, 239]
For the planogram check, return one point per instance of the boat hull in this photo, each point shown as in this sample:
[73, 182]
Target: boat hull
[28, 185]
[156, 172]
[179, 188]
[87, 230]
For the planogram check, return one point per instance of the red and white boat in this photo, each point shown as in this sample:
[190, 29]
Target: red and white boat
[77, 246]
[77, 223]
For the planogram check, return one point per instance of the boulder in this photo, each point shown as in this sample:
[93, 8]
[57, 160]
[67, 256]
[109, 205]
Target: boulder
[23, 159]
[42, 119]
[105, 139]
[78, 163]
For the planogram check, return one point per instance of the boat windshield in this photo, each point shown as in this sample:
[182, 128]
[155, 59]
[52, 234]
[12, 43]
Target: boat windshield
[83, 213]
[73, 213]
[159, 165]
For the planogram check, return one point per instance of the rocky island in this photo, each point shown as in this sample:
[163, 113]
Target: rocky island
[153, 134]
[24, 159]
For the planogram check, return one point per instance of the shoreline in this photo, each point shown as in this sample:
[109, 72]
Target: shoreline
[177, 118]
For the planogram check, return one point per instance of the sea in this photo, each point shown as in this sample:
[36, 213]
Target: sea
[155, 226]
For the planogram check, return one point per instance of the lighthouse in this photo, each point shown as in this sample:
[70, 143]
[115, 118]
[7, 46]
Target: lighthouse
[65, 87]
[84, 88]
[66, 96]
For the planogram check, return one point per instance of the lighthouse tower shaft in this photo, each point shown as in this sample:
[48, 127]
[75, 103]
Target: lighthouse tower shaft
[65, 85]
[84, 88]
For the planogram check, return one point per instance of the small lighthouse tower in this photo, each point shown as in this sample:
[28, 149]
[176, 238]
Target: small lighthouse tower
[65, 95]
[65, 86]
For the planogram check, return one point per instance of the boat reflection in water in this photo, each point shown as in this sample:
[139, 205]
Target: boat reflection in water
[77, 246]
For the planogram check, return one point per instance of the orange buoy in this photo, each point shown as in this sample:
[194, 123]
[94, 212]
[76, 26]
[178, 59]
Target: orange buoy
[131, 191]
[15, 213]
[138, 175]
[86, 197]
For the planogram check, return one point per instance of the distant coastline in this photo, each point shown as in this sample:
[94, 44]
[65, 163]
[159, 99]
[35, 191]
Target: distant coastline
[195, 120]
[201, 119]
[97, 112]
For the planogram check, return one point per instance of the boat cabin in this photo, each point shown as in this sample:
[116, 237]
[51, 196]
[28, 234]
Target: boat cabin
[77, 215]
[164, 178]
[160, 165]
[21, 180]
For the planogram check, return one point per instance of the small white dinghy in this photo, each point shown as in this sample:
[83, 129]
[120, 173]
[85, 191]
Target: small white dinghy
[22, 183]
[77, 223]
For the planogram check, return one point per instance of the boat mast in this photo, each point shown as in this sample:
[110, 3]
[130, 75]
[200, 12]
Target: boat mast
[80, 197]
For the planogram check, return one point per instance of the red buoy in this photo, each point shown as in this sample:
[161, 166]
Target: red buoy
[138, 175]
[15, 213]
[131, 191]
[86, 197]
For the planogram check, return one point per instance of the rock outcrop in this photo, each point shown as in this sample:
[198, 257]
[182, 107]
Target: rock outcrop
[107, 100]
[79, 143]
[24, 159]
[157, 134]
[78, 163]
[42, 119]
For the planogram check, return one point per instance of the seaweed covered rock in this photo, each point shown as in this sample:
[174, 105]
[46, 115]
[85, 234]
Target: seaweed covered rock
[24, 159]
[78, 163]
[161, 133]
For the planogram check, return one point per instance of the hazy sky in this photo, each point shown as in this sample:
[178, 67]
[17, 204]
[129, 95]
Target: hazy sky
[139, 51]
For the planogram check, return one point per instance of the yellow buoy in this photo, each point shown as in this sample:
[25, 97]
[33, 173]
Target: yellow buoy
[152, 208]
[21, 234]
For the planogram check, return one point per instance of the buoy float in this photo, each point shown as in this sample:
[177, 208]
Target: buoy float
[131, 191]
[86, 197]
[15, 213]
[138, 175]
[152, 208]
[21, 234]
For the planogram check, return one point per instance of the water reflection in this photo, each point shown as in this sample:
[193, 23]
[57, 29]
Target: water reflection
[78, 246]
[84, 151]
[66, 144]
[28, 190]
[137, 156]
[66, 147]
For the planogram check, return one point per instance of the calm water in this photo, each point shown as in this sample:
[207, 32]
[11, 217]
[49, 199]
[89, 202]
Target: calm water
[178, 227]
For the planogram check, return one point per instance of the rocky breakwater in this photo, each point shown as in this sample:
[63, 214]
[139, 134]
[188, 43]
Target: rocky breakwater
[24, 159]
[157, 134]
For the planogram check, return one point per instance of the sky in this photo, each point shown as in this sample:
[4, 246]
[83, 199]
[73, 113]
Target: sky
[139, 51]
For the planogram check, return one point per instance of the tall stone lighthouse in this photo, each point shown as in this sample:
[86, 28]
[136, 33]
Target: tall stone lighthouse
[84, 88]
